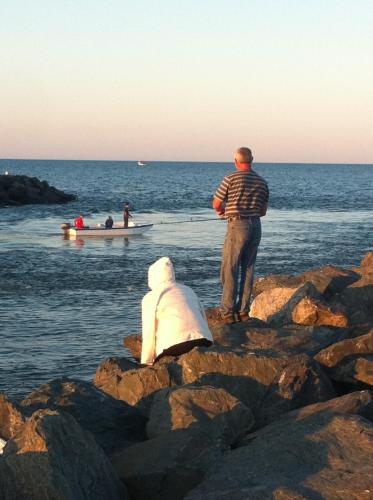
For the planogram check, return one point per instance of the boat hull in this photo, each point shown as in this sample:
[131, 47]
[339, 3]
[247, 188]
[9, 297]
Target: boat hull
[72, 232]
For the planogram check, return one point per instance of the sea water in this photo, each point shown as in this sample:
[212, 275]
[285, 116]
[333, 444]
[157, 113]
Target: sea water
[66, 305]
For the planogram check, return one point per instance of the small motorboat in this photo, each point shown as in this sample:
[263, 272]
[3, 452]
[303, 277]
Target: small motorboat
[118, 229]
[141, 163]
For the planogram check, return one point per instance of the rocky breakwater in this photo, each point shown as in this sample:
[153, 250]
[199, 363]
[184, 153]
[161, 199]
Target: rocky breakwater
[280, 407]
[23, 190]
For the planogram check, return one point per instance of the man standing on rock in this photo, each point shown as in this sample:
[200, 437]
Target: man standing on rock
[241, 199]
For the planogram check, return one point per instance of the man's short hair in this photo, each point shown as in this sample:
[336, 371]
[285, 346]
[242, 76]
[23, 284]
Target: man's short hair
[243, 155]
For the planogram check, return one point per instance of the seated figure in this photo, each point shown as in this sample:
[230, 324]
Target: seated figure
[173, 320]
[109, 222]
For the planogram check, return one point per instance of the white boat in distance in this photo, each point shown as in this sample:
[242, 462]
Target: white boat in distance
[100, 230]
[141, 163]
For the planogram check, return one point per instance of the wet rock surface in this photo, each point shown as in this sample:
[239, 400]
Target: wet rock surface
[23, 190]
[280, 407]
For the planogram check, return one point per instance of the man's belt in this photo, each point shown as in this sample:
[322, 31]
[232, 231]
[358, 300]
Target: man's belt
[232, 218]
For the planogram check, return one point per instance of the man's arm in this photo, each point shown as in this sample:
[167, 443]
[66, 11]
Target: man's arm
[217, 205]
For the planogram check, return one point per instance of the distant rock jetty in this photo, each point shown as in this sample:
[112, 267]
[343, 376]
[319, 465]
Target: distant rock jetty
[22, 190]
[280, 407]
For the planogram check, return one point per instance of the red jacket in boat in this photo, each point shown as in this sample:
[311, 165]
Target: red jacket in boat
[79, 224]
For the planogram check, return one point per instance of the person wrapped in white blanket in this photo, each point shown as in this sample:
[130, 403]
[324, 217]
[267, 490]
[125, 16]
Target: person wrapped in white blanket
[173, 320]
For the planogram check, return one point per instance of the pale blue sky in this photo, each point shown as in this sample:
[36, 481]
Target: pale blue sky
[187, 80]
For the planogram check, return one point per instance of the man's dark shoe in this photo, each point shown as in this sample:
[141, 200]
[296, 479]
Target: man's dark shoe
[244, 316]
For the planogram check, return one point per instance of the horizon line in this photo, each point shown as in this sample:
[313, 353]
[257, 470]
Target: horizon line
[184, 161]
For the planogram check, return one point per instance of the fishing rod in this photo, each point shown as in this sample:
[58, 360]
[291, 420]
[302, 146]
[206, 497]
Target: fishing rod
[187, 220]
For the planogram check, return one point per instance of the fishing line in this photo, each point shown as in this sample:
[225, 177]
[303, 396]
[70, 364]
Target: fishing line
[187, 220]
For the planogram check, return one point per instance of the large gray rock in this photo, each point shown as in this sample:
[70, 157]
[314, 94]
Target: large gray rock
[21, 190]
[112, 367]
[289, 339]
[355, 403]
[338, 351]
[168, 466]
[303, 305]
[134, 386]
[357, 298]
[328, 280]
[367, 261]
[11, 418]
[214, 410]
[350, 361]
[190, 428]
[268, 304]
[267, 383]
[324, 455]
[51, 457]
[255, 334]
[113, 423]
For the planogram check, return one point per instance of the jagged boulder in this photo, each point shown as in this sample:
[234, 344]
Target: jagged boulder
[190, 429]
[113, 423]
[112, 367]
[168, 466]
[134, 386]
[304, 305]
[22, 190]
[367, 261]
[255, 334]
[357, 298]
[327, 280]
[214, 410]
[268, 383]
[266, 283]
[350, 361]
[11, 418]
[52, 457]
[289, 339]
[269, 303]
[324, 455]
[355, 403]
[309, 311]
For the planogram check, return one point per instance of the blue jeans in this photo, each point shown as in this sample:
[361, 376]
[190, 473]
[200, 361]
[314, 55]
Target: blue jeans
[237, 268]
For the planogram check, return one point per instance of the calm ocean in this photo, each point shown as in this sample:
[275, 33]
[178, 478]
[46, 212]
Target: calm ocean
[66, 305]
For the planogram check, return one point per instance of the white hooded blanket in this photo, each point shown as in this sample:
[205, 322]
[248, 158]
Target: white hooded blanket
[171, 313]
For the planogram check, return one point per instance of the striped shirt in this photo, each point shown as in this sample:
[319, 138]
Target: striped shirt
[244, 193]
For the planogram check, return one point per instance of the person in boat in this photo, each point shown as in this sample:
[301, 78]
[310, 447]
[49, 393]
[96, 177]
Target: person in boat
[126, 214]
[109, 222]
[79, 222]
[242, 199]
[173, 320]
